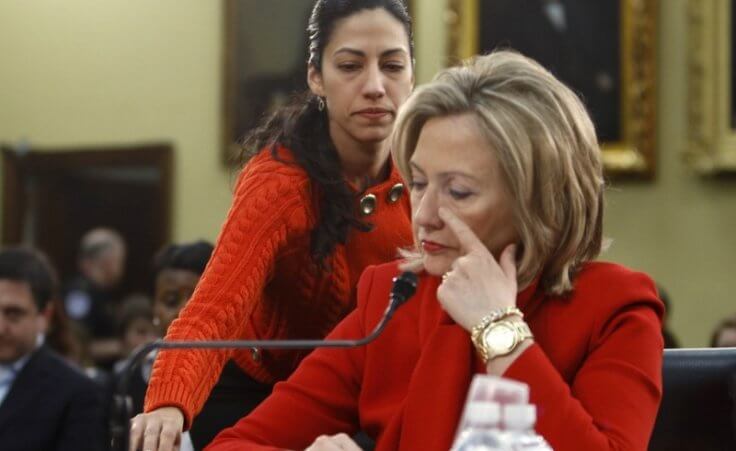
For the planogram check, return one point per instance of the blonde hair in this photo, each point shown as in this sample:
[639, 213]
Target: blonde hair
[546, 146]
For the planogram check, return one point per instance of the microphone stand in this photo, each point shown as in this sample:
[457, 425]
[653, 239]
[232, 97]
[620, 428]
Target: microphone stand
[122, 407]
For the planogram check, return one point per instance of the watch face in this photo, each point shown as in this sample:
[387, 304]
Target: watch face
[500, 338]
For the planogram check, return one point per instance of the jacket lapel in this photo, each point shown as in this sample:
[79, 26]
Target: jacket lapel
[427, 419]
[26, 387]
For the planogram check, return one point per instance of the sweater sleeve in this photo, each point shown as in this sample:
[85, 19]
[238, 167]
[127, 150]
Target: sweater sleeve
[270, 208]
[612, 401]
[320, 398]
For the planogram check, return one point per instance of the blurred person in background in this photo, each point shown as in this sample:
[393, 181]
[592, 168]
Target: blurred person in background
[60, 335]
[724, 335]
[45, 402]
[177, 270]
[91, 298]
[136, 325]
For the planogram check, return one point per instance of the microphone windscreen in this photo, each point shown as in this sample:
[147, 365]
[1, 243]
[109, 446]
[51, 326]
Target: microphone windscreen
[404, 286]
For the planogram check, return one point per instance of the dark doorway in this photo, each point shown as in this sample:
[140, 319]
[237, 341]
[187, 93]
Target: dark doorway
[51, 197]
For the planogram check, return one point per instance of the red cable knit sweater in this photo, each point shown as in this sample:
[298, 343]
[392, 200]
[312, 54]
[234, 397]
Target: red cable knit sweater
[262, 283]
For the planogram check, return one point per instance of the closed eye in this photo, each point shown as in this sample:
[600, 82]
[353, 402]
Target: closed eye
[417, 186]
[460, 195]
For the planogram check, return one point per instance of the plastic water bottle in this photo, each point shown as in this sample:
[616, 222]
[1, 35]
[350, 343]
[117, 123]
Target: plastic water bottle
[481, 429]
[518, 424]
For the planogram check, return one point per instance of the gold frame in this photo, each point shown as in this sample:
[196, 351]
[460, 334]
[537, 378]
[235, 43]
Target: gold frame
[635, 155]
[711, 138]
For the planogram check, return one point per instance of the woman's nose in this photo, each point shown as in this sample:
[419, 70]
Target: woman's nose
[426, 210]
[374, 86]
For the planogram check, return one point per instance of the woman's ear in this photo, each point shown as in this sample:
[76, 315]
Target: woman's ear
[314, 80]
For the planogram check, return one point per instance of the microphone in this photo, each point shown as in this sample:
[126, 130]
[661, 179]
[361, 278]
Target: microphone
[403, 288]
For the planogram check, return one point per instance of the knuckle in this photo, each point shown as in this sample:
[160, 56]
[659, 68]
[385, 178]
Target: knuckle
[168, 434]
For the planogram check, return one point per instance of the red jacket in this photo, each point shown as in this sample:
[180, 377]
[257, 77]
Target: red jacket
[594, 371]
[262, 282]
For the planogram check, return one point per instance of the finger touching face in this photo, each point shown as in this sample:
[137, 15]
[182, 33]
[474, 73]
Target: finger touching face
[454, 169]
[466, 238]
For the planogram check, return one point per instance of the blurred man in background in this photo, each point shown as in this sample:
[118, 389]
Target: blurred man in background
[45, 403]
[91, 299]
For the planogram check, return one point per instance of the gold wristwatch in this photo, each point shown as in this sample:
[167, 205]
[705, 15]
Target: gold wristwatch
[499, 338]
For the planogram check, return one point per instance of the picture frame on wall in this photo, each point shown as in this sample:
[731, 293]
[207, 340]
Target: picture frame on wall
[605, 50]
[265, 54]
[711, 86]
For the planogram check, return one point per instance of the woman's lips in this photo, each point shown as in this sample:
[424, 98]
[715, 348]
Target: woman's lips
[431, 247]
[373, 113]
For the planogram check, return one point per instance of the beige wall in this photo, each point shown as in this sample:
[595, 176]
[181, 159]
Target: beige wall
[89, 72]
[680, 229]
[86, 72]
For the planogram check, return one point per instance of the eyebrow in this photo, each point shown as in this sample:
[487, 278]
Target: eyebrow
[15, 309]
[357, 52]
[446, 173]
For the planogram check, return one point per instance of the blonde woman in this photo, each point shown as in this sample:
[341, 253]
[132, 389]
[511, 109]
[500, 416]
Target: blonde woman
[506, 193]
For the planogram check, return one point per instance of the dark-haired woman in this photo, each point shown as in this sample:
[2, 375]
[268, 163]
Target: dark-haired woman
[317, 202]
[178, 268]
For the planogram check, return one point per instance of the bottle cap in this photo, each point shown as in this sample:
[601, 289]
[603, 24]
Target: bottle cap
[519, 416]
[484, 413]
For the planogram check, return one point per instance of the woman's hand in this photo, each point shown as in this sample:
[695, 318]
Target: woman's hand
[160, 430]
[476, 284]
[334, 442]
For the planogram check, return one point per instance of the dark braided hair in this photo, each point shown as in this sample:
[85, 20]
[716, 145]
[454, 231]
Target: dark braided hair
[302, 128]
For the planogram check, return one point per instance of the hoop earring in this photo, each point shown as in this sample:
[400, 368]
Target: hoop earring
[320, 104]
